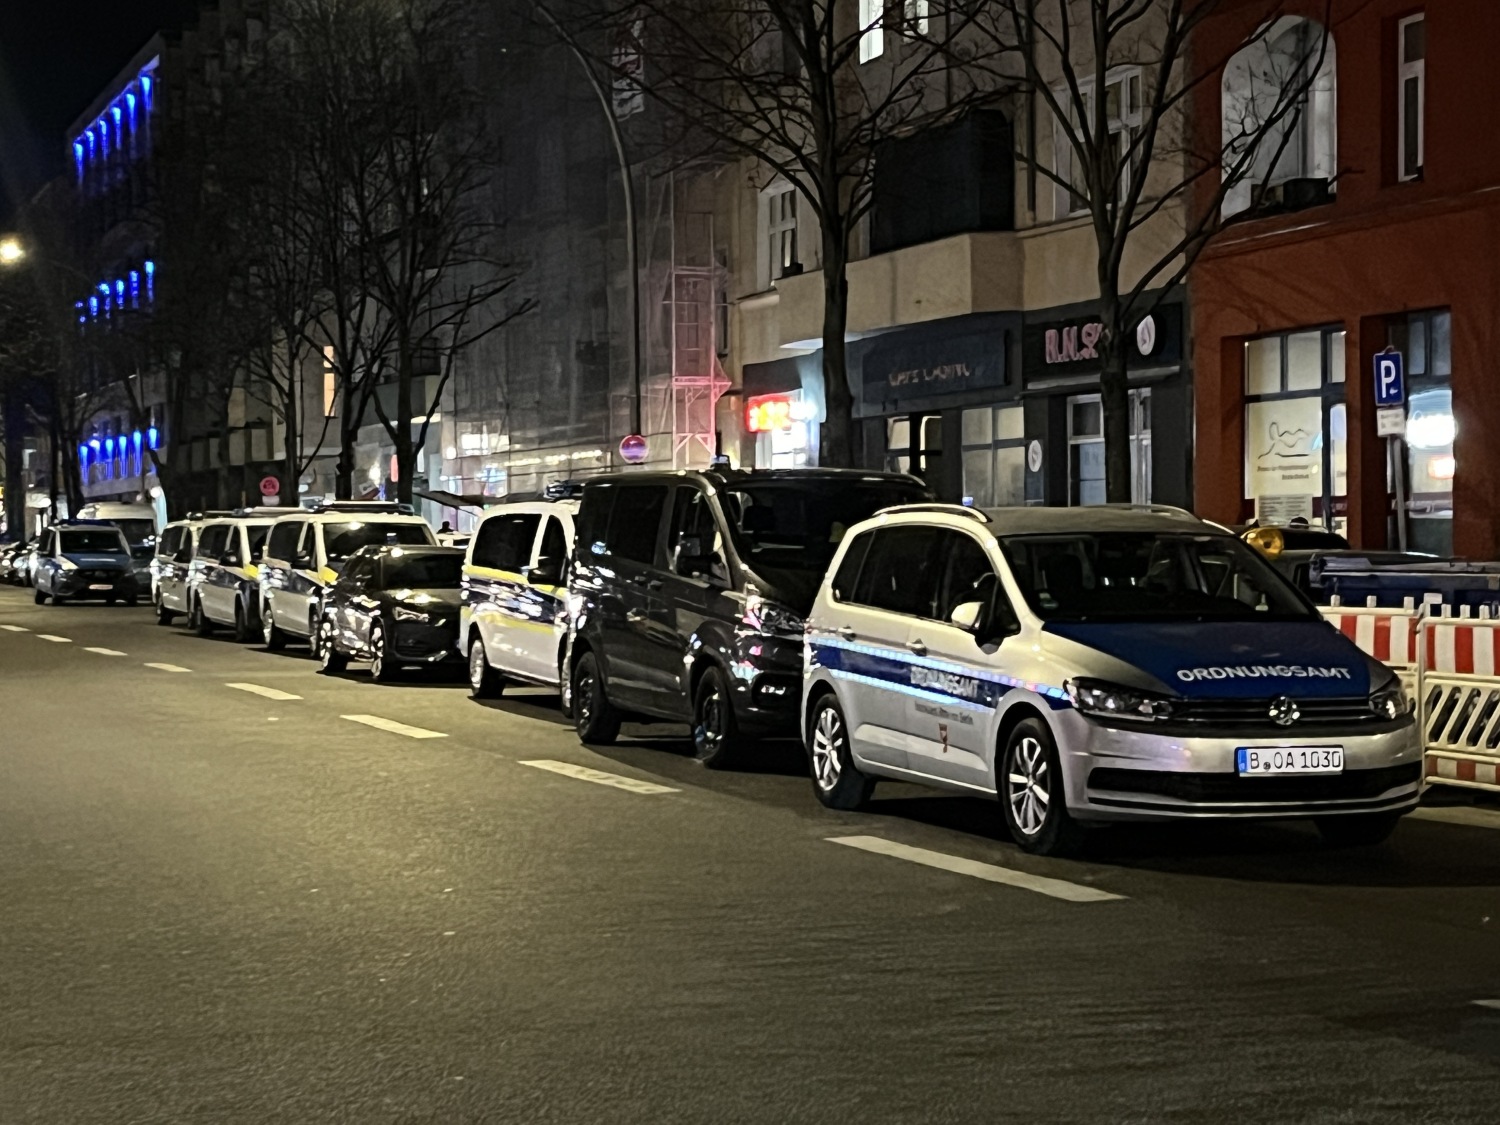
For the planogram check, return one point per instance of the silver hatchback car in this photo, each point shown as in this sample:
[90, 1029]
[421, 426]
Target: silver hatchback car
[1095, 664]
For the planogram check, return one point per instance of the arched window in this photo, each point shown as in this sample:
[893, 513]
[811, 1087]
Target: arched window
[1279, 101]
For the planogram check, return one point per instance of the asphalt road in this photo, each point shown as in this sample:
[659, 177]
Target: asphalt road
[239, 904]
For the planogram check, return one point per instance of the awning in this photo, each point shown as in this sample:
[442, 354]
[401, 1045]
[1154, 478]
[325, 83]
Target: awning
[454, 500]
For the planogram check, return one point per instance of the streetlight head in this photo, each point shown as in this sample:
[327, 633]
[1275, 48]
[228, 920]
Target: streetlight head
[11, 251]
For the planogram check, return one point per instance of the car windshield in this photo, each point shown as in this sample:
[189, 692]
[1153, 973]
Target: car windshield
[138, 532]
[421, 572]
[798, 523]
[1149, 576]
[92, 543]
[343, 539]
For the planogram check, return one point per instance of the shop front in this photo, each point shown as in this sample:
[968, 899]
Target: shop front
[783, 406]
[1063, 421]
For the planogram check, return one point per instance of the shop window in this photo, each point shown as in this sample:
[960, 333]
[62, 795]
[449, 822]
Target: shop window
[994, 456]
[1411, 79]
[1425, 339]
[1289, 162]
[872, 34]
[925, 457]
[1122, 108]
[784, 426]
[1086, 480]
[1296, 447]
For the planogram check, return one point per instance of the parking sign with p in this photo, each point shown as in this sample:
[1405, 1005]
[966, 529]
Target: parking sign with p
[1390, 378]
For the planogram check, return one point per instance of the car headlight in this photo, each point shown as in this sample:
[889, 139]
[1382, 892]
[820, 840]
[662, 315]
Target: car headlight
[1390, 701]
[67, 564]
[767, 617]
[401, 613]
[1111, 701]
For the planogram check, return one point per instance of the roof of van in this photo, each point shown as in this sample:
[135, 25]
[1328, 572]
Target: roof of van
[1099, 517]
[752, 476]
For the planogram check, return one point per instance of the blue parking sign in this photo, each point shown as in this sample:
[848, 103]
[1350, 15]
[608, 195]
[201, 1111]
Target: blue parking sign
[1390, 378]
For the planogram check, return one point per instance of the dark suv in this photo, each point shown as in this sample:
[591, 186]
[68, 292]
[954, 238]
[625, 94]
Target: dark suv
[689, 589]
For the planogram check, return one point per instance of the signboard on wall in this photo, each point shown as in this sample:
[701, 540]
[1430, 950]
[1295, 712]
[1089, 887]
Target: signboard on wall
[1284, 448]
[920, 368]
[1278, 511]
[1053, 345]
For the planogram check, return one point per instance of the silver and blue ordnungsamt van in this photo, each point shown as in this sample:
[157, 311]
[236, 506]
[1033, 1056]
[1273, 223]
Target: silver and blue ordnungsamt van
[1095, 664]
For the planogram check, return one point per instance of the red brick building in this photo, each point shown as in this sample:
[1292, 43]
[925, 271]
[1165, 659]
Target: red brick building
[1382, 229]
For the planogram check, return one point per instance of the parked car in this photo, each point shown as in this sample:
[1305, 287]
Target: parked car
[138, 522]
[8, 553]
[172, 565]
[224, 579]
[24, 564]
[1093, 664]
[78, 559]
[689, 590]
[1301, 552]
[305, 552]
[396, 607]
[514, 624]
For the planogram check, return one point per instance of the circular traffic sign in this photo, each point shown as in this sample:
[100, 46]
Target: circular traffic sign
[269, 486]
[633, 449]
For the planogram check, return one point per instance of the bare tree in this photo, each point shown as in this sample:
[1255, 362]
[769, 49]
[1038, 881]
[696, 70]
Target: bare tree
[800, 88]
[1117, 80]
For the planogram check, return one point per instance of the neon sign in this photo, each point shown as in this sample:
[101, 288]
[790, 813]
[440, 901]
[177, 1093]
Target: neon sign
[765, 414]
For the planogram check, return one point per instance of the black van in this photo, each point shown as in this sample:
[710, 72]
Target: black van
[689, 590]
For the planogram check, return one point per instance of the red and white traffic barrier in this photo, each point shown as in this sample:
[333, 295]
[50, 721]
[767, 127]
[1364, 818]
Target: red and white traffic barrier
[1463, 771]
[1389, 635]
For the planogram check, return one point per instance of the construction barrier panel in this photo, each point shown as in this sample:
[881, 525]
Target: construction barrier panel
[1449, 665]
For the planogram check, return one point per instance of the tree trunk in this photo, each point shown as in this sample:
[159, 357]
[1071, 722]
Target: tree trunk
[837, 446]
[406, 460]
[54, 440]
[343, 474]
[1114, 394]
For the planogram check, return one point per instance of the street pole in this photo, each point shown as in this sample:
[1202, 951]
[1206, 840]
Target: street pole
[627, 181]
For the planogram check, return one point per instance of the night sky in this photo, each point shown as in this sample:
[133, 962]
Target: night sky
[55, 56]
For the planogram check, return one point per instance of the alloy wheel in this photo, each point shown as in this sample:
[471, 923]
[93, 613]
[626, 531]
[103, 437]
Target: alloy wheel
[325, 644]
[828, 745]
[1028, 787]
[710, 730]
[476, 667]
[377, 654]
[583, 700]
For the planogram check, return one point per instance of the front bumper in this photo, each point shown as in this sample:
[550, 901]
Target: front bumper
[766, 674]
[77, 583]
[1117, 774]
[415, 642]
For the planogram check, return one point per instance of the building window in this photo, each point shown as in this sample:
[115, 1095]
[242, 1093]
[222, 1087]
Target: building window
[1086, 480]
[330, 383]
[994, 456]
[1273, 80]
[871, 35]
[916, 14]
[1411, 77]
[922, 458]
[1296, 428]
[1425, 341]
[1122, 107]
[781, 232]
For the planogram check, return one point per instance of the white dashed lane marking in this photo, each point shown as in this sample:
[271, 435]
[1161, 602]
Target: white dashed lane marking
[264, 692]
[15, 628]
[105, 651]
[393, 727]
[54, 639]
[1495, 1004]
[599, 777]
[1053, 888]
[167, 667]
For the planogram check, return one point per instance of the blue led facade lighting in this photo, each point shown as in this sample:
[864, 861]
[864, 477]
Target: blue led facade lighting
[94, 308]
[150, 281]
[135, 289]
[151, 437]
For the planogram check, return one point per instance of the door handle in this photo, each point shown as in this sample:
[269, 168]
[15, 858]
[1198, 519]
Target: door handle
[917, 647]
[846, 633]
[654, 584]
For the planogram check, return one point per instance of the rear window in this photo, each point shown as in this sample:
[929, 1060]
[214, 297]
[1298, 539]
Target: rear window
[137, 532]
[504, 541]
[340, 540]
[421, 572]
[798, 523]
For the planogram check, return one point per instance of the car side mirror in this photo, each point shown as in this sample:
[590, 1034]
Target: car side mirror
[546, 572]
[690, 559]
[967, 616]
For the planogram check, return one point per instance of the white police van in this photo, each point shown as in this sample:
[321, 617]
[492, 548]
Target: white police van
[1095, 664]
[514, 622]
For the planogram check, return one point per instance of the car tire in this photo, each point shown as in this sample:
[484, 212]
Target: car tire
[58, 599]
[1031, 792]
[717, 742]
[1357, 830]
[382, 670]
[110, 600]
[594, 717]
[39, 597]
[837, 781]
[243, 633]
[330, 660]
[197, 622]
[273, 635]
[164, 616]
[484, 681]
[133, 600]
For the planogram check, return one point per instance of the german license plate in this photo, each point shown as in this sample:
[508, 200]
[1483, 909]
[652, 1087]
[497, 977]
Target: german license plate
[101, 586]
[1273, 761]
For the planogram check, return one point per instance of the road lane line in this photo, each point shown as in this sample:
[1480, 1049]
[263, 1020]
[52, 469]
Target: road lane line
[105, 651]
[394, 727]
[15, 628]
[1459, 814]
[599, 777]
[168, 667]
[1054, 888]
[265, 692]
[1495, 1004]
[54, 638]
